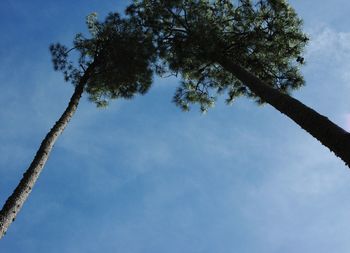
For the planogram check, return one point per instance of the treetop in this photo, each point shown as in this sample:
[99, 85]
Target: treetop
[186, 38]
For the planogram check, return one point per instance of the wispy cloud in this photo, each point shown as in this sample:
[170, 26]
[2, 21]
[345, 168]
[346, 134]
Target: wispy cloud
[327, 72]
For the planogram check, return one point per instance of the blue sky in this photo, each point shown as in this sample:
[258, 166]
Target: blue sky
[142, 176]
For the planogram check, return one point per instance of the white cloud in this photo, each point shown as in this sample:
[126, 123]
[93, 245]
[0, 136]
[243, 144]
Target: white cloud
[327, 42]
[327, 73]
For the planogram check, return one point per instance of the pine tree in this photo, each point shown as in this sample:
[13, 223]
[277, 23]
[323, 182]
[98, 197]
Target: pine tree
[239, 48]
[114, 62]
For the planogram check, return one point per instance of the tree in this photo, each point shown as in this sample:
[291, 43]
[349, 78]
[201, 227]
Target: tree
[114, 62]
[241, 48]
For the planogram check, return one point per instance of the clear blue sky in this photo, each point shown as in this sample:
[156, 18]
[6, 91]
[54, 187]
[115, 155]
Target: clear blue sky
[142, 176]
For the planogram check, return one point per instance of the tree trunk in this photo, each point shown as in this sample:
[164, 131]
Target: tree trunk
[15, 202]
[319, 126]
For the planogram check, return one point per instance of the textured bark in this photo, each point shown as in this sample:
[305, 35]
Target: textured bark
[15, 202]
[319, 126]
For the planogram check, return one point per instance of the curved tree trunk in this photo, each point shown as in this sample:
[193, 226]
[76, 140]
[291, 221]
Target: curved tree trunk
[15, 202]
[319, 126]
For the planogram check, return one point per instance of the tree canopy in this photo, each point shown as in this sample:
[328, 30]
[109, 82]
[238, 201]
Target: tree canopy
[184, 38]
[121, 55]
[265, 37]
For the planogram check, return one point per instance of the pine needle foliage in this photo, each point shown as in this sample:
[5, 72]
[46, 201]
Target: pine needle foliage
[122, 56]
[264, 37]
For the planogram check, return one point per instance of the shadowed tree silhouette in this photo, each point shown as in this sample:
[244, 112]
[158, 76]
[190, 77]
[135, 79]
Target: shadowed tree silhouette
[114, 62]
[241, 48]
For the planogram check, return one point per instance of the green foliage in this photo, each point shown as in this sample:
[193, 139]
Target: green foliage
[121, 54]
[262, 36]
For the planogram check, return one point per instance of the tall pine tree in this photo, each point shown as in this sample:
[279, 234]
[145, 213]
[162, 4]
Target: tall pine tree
[241, 48]
[115, 61]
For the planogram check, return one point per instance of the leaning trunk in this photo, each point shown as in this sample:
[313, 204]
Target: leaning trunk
[15, 202]
[319, 126]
